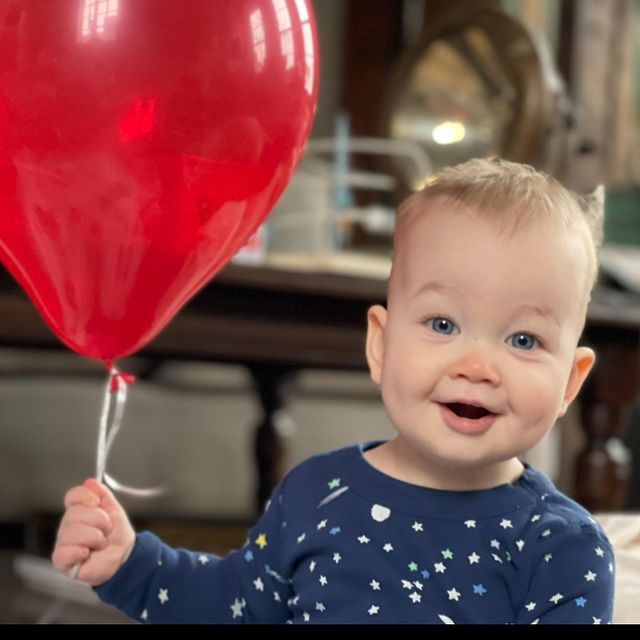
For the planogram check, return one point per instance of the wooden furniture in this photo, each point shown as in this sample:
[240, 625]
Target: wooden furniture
[277, 322]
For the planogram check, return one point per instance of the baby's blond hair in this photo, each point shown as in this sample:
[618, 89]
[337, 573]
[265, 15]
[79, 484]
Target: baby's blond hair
[516, 195]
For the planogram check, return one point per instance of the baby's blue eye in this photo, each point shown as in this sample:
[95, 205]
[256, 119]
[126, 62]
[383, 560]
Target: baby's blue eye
[443, 326]
[523, 341]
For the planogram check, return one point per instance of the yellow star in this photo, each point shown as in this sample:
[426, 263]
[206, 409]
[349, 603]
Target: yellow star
[261, 541]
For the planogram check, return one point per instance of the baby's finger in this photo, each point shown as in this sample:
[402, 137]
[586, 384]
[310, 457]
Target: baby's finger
[65, 557]
[78, 533]
[81, 495]
[92, 516]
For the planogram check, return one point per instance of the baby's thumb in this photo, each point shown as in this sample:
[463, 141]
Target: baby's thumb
[107, 499]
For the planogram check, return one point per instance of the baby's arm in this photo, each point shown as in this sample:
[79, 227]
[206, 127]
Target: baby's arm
[94, 532]
[572, 581]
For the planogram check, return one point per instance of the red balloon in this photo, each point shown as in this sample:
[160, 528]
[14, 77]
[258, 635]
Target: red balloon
[141, 143]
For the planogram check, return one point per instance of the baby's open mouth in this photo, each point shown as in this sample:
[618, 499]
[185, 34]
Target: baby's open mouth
[467, 410]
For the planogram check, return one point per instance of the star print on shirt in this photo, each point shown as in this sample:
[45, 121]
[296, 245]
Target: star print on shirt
[276, 596]
[306, 617]
[479, 589]
[322, 524]
[506, 524]
[373, 610]
[474, 558]
[259, 585]
[301, 537]
[388, 547]
[415, 597]
[580, 602]
[470, 524]
[418, 585]
[417, 526]
[334, 484]
[530, 607]
[556, 598]
[320, 607]
[425, 574]
[536, 518]
[312, 566]
[363, 539]
[407, 584]
[494, 544]
[261, 541]
[248, 555]
[520, 544]
[496, 557]
[375, 585]
[202, 559]
[454, 594]
[337, 557]
[236, 608]
[547, 557]
[597, 620]
[323, 580]
[590, 576]
[334, 531]
[412, 566]
[144, 615]
[447, 554]
[599, 552]
[546, 533]
[439, 567]
[163, 596]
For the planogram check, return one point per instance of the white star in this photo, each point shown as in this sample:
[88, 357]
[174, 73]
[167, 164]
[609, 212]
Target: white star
[536, 518]
[536, 621]
[599, 552]
[439, 567]
[548, 557]
[202, 559]
[312, 566]
[531, 606]
[375, 585]
[301, 537]
[320, 607]
[306, 617]
[415, 597]
[236, 608]
[496, 557]
[388, 547]
[506, 524]
[163, 595]
[495, 544]
[322, 524]
[259, 585]
[159, 563]
[418, 584]
[470, 524]
[276, 596]
[597, 620]
[337, 557]
[611, 567]
[474, 558]
[144, 615]
[546, 533]
[407, 585]
[556, 598]
[453, 594]
[417, 526]
[294, 601]
[322, 580]
[520, 544]
[590, 576]
[363, 540]
[373, 610]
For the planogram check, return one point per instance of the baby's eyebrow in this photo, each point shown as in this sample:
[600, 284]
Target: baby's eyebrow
[437, 286]
[534, 309]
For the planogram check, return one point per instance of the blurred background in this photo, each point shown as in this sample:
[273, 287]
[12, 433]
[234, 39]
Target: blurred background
[266, 366]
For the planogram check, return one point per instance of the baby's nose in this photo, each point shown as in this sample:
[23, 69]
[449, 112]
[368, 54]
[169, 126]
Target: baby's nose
[475, 367]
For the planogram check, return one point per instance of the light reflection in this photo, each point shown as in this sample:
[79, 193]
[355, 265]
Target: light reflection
[259, 40]
[449, 133]
[98, 19]
[309, 57]
[286, 34]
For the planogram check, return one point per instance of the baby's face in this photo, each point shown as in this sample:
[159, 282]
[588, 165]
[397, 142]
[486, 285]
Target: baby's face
[479, 342]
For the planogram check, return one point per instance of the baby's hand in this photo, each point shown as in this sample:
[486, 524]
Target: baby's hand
[95, 532]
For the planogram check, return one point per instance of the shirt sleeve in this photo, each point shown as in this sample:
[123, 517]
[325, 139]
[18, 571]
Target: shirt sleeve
[160, 584]
[572, 581]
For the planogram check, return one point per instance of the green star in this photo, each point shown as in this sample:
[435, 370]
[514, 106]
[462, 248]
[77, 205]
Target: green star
[413, 566]
[335, 483]
[447, 554]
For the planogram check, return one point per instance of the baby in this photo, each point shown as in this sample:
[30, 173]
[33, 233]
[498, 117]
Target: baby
[476, 356]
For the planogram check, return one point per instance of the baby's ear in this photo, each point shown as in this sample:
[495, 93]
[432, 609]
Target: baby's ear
[376, 320]
[582, 363]
[592, 204]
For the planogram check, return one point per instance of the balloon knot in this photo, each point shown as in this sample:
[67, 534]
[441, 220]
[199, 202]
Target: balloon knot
[119, 377]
